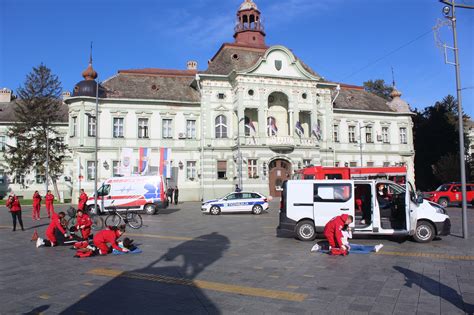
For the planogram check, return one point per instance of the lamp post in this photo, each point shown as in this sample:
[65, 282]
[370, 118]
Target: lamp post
[360, 141]
[239, 154]
[96, 143]
[47, 156]
[449, 12]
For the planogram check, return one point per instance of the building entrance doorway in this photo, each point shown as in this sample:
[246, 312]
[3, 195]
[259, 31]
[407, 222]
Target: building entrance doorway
[279, 171]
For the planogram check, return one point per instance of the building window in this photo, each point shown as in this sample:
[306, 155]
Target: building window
[221, 96]
[306, 163]
[252, 168]
[74, 126]
[2, 176]
[370, 164]
[352, 134]
[3, 143]
[115, 168]
[90, 170]
[40, 178]
[167, 128]
[221, 169]
[19, 178]
[91, 126]
[368, 135]
[336, 133]
[142, 128]
[386, 164]
[403, 135]
[191, 129]
[221, 127]
[353, 164]
[336, 164]
[118, 127]
[385, 135]
[190, 170]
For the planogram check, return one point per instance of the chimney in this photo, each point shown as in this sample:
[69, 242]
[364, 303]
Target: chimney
[5, 95]
[192, 65]
[66, 94]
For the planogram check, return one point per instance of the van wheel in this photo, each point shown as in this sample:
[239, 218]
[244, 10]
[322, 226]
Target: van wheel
[150, 209]
[91, 209]
[257, 209]
[425, 232]
[215, 210]
[443, 202]
[306, 231]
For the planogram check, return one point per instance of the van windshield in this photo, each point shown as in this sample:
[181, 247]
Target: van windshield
[443, 188]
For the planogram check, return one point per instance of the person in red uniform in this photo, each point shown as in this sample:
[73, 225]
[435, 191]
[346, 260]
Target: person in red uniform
[82, 200]
[109, 236]
[333, 233]
[13, 203]
[49, 199]
[36, 205]
[54, 225]
[83, 224]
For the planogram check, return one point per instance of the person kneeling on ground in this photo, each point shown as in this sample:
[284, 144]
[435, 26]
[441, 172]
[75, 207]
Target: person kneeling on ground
[109, 236]
[54, 226]
[83, 224]
[333, 233]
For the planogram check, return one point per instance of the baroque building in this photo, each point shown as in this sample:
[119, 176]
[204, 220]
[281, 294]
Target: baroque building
[253, 117]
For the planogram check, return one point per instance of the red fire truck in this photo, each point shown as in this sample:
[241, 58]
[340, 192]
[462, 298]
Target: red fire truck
[396, 174]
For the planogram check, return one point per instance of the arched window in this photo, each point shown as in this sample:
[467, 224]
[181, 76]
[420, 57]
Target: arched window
[221, 127]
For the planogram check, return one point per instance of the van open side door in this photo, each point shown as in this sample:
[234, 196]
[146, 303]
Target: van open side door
[332, 198]
[411, 207]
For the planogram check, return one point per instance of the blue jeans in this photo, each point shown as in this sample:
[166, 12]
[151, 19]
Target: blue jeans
[361, 249]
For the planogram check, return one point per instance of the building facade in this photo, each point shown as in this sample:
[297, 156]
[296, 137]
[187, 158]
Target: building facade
[253, 117]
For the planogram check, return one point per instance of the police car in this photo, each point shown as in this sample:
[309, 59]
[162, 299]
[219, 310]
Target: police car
[236, 202]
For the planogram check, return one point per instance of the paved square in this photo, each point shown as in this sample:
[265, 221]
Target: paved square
[234, 263]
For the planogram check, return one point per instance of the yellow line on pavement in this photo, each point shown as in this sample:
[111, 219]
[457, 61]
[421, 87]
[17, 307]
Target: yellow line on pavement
[207, 285]
[427, 255]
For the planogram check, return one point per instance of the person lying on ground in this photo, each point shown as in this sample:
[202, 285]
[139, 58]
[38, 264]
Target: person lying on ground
[109, 236]
[54, 225]
[356, 248]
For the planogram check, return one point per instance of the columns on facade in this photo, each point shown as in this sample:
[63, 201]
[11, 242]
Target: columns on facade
[292, 123]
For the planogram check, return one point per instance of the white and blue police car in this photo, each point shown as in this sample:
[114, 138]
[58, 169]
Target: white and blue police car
[236, 202]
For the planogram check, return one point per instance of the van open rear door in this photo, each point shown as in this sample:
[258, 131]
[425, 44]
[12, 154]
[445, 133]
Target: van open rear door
[411, 206]
[332, 198]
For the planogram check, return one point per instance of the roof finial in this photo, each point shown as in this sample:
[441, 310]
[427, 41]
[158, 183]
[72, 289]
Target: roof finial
[395, 93]
[89, 73]
[393, 78]
[90, 57]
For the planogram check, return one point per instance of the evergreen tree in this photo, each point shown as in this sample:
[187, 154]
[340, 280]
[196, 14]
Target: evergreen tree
[378, 87]
[37, 109]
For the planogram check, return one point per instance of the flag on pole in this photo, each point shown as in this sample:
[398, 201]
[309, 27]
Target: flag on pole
[126, 165]
[249, 124]
[144, 160]
[299, 129]
[272, 126]
[316, 131]
[165, 162]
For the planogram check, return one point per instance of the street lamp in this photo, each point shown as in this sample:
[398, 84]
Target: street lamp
[451, 8]
[239, 154]
[96, 144]
[360, 141]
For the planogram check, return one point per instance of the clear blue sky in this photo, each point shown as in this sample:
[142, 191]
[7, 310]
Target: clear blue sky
[338, 39]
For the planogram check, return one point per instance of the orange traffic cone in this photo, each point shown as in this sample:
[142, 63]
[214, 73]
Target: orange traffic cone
[35, 236]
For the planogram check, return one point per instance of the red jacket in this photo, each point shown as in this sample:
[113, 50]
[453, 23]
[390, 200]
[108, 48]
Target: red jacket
[49, 198]
[13, 205]
[82, 201]
[84, 220]
[55, 224]
[36, 199]
[107, 236]
[333, 228]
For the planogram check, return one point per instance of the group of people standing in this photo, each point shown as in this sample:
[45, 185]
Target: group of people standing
[172, 194]
[14, 206]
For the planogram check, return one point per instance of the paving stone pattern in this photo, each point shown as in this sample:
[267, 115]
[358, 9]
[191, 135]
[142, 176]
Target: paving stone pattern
[240, 250]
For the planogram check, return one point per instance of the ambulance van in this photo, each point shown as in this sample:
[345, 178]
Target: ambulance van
[144, 193]
[379, 207]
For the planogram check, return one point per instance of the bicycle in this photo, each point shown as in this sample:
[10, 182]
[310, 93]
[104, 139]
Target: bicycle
[97, 221]
[131, 218]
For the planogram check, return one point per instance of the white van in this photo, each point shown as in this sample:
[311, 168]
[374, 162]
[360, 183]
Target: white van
[145, 193]
[389, 209]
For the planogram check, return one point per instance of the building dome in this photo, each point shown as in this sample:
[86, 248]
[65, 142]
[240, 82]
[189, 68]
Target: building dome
[89, 73]
[248, 5]
[88, 86]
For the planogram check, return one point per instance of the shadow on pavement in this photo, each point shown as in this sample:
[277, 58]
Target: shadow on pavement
[160, 289]
[36, 226]
[435, 288]
[37, 310]
[168, 211]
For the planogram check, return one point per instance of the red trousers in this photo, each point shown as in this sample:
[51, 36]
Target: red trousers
[332, 240]
[51, 237]
[49, 209]
[103, 248]
[85, 233]
[36, 211]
